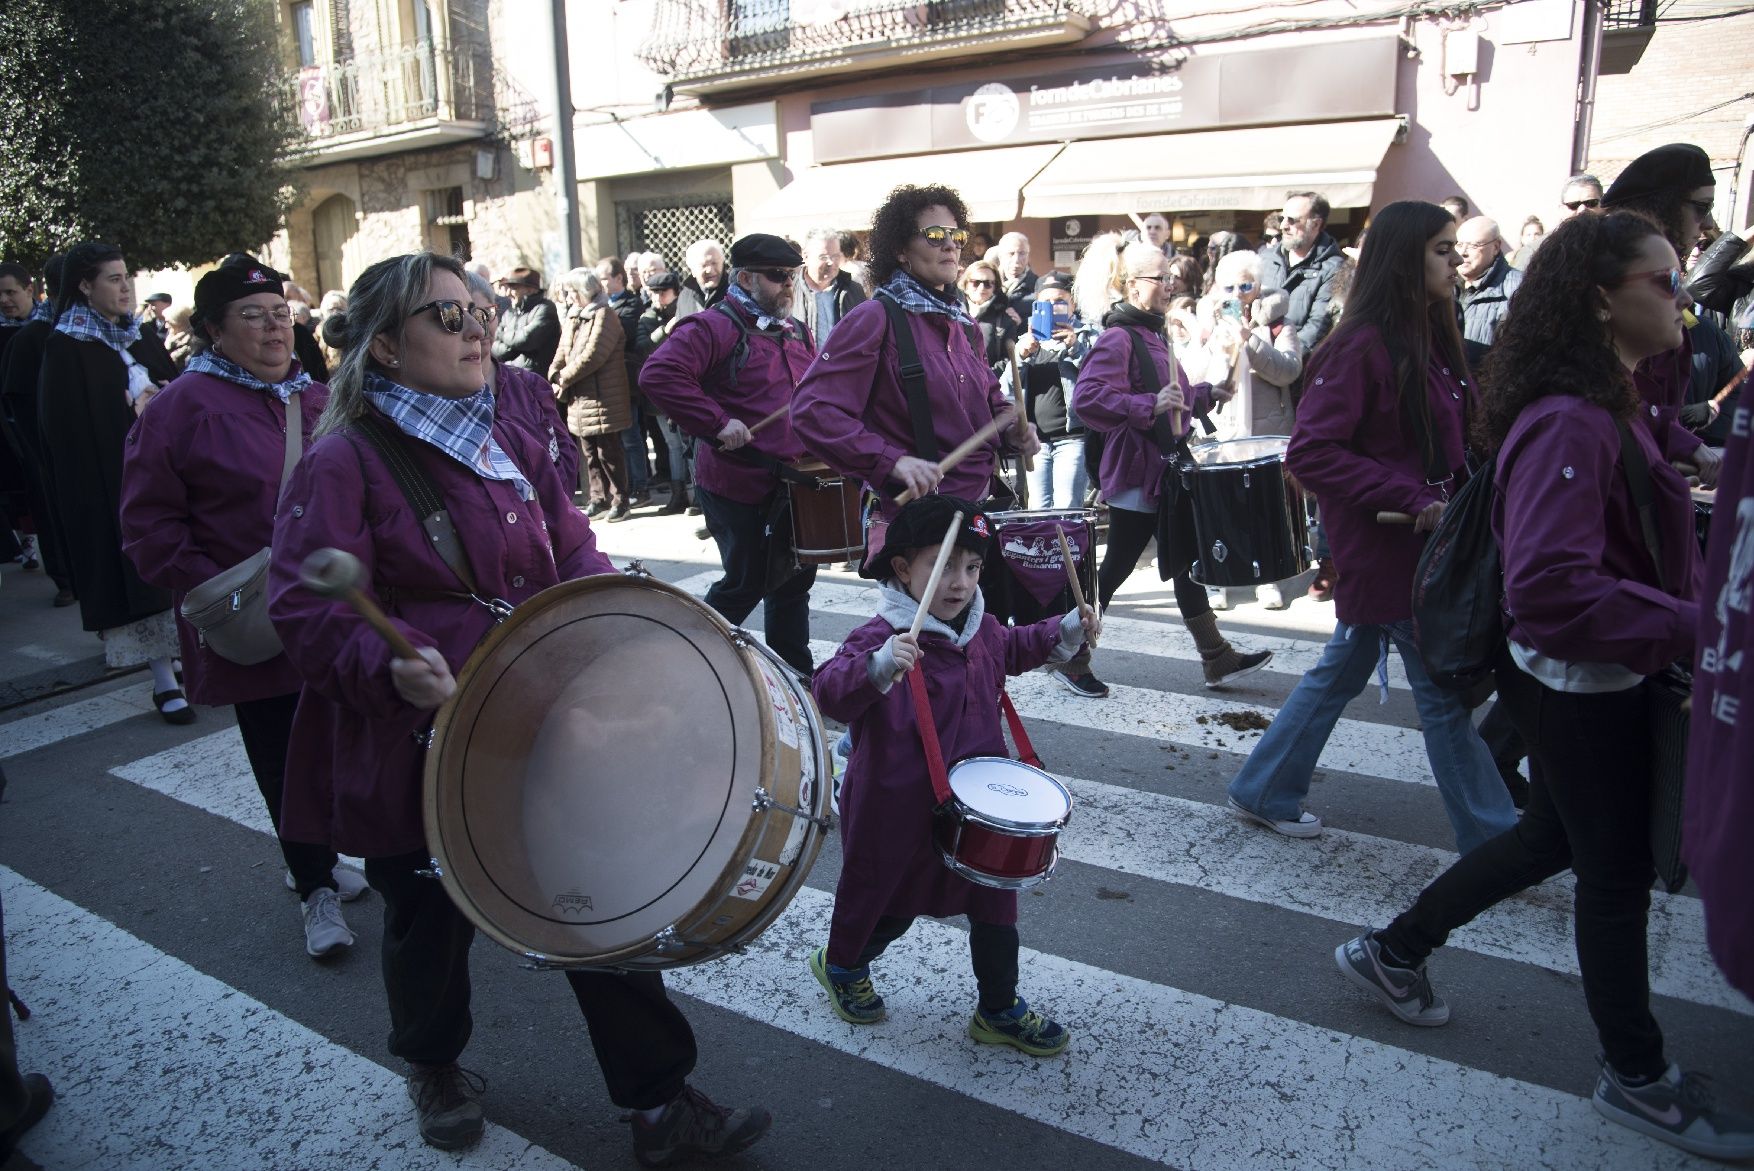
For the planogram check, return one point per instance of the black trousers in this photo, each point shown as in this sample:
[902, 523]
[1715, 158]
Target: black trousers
[266, 726]
[991, 948]
[14, 1098]
[644, 1044]
[1129, 534]
[748, 553]
[1589, 810]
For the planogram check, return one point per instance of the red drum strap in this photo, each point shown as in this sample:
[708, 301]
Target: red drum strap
[916, 683]
[1025, 750]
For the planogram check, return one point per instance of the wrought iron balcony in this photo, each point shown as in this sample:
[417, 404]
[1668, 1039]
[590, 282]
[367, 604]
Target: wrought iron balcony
[712, 46]
[417, 95]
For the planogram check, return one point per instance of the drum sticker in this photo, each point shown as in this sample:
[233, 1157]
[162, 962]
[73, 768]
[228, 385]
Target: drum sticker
[757, 877]
[795, 836]
[571, 904]
[783, 723]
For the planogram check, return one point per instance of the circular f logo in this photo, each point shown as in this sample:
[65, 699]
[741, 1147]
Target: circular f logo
[992, 112]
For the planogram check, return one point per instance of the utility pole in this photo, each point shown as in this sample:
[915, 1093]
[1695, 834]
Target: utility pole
[565, 167]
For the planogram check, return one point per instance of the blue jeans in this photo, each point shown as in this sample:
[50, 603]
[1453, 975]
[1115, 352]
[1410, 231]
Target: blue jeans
[1275, 779]
[633, 444]
[1059, 477]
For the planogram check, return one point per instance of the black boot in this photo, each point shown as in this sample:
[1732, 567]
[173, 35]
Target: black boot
[678, 499]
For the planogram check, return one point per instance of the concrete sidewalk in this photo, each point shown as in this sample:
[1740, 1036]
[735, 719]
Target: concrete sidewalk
[42, 649]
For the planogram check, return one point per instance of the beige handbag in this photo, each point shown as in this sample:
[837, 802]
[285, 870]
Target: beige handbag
[230, 609]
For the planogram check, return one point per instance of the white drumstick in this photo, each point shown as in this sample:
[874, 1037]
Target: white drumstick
[932, 581]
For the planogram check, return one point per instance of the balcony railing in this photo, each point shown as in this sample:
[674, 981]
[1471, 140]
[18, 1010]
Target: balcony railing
[391, 93]
[707, 45]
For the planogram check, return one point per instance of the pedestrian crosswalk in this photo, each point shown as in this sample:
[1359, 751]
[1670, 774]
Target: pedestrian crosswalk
[1161, 1070]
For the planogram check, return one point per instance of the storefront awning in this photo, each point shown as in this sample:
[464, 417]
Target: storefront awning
[1213, 169]
[846, 195]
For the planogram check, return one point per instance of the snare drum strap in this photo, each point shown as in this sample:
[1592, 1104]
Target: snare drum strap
[916, 683]
[1025, 750]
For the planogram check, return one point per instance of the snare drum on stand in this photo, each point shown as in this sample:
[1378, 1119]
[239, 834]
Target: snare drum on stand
[827, 527]
[1249, 514]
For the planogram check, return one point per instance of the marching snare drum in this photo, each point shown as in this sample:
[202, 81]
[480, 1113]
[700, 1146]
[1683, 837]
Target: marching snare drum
[1249, 514]
[1001, 826]
[1024, 579]
[624, 781]
[826, 526]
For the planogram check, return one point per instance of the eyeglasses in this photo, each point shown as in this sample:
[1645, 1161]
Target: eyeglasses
[980, 283]
[1474, 246]
[1576, 204]
[1244, 287]
[778, 276]
[262, 319]
[1666, 279]
[1158, 279]
[938, 234]
[450, 314]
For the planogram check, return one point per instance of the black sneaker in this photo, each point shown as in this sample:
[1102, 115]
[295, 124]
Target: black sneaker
[39, 1096]
[1678, 1108]
[596, 508]
[448, 1100]
[692, 1126]
[1406, 992]
[1086, 685]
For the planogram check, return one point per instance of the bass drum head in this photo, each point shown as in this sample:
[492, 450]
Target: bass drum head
[1240, 451]
[592, 777]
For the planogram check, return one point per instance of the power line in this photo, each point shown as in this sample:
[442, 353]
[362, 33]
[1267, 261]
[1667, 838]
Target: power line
[1675, 121]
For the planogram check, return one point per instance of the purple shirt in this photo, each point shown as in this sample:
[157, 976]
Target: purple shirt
[1662, 386]
[524, 397]
[1356, 451]
[354, 769]
[688, 378]
[851, 413]
[1111, 397]
[1720, 764]
[1578, 580]
[200, 479]
[889, 864]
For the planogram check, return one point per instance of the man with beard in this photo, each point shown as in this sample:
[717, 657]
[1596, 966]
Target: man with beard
[718, 374]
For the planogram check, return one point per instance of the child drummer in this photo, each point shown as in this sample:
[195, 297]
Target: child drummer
[890, 869]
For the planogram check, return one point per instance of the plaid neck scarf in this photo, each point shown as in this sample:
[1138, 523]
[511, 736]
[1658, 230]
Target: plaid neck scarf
[44, 311]
[13, 322]
[462, 428]
[905, 290]
[82, 322]
[219, 366]
[741, 298]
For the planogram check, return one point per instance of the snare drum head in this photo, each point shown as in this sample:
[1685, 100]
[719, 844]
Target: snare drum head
[1009, 791]
[594, 773]
[1241, 451]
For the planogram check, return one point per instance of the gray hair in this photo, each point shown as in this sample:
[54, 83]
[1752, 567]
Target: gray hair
[815, 234]
[380, 301]
[585, 284]
[697, 252]
[479, 286]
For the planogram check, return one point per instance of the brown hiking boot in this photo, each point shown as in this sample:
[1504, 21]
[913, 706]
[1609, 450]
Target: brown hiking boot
[448, 1100]
[692, 1126]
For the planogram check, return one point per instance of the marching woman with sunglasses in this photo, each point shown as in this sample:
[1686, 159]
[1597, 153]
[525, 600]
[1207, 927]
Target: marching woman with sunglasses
[853, 409]
[1595, 605]
[411, 387]
[200, 482]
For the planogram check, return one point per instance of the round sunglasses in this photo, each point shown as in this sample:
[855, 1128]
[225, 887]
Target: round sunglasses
[450, 314]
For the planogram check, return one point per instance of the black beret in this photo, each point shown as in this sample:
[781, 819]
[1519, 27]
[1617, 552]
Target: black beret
[665, 280]
[760, 250]
[233, 282]
[922, 523]
[1679, 166]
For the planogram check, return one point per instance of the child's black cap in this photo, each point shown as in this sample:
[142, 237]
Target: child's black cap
[921, 523]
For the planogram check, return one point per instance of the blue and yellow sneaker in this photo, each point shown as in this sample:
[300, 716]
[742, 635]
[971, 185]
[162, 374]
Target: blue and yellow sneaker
[849, 990]
[1020, 1027]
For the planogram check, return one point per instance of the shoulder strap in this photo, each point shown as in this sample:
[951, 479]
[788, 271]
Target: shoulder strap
[1168, 442]
[295, 436]
[1637, 471]
[935, 771]
[733, 365]
[423, 495]
[913, 379]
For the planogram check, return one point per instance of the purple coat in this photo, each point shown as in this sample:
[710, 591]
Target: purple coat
[851, 413]
[1110, 398]
[200, 479]
[525, 398]
[889, 864]
[1353, 448]
[1662, 385]
[688, 378]
[1578, 581]
[354, 769]
[1720, 764]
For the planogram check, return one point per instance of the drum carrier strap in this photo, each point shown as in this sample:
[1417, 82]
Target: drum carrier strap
[935, 770]
[1168, 442]
[913, 380]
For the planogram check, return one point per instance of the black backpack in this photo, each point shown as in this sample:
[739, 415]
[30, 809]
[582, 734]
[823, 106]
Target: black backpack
[1458, 590]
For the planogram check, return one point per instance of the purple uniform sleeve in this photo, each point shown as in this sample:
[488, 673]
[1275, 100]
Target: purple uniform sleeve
[842, 686]
[671, 377]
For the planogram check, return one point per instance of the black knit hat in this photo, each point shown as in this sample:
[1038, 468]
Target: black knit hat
[922, 523]
[233, 282]
[1676, 168]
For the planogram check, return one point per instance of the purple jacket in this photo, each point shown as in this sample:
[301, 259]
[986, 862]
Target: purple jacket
[525, 398]
[1578, 581]
[354, 770]
[688, 377]
[200, 479]
[1111, 397]
[889, 865]
[1662, 385]
[851, 413]
[1720, 764]
[1354, 449]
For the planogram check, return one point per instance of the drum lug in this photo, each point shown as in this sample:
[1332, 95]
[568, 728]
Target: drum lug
[424, 739]
[535, 961]
[765, 800]
[1257, 566]
[1219, 552]
[433, 870]
[636, 569]
[741, 640]
[668, 942]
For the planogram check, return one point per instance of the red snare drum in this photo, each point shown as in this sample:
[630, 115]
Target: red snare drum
[1001, 827]
[826, 526]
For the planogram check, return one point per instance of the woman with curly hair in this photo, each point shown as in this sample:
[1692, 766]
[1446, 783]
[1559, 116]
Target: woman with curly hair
[1381, 429]
[1594, 609]
[852, 408]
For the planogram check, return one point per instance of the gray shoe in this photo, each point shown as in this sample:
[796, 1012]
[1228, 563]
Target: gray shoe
[1307, 825]
[350, 884]
[1405, 991]
[1677, 1108]
[447, 1099]
[326, 930]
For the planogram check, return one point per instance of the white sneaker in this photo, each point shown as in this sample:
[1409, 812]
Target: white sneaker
[1218, 597]
[349, 883]
[1270, 597]
[325, 928]
[1307, 825]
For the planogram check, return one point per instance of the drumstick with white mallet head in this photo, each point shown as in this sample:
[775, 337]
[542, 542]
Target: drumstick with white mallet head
[967, 447]
[334, 573]
[938, 564]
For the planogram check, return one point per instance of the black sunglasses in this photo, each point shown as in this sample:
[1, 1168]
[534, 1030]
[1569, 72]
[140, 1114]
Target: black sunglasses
[1575, 204]
[778, 276]
[450, 314]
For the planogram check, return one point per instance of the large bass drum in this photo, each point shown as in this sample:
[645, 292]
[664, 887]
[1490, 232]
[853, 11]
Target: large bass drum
[624, 781]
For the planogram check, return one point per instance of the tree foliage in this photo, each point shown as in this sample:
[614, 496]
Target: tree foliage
[156, 125]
